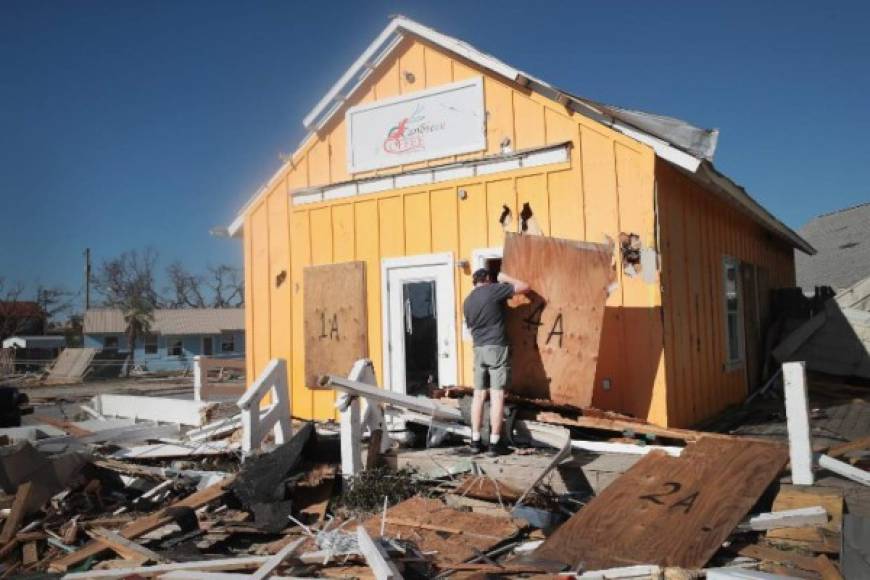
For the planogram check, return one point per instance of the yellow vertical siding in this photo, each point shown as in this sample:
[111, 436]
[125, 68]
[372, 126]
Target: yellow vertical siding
[698, 229]
[606, 188]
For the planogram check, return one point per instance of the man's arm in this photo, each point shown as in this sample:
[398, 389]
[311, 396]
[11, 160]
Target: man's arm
[520, 287]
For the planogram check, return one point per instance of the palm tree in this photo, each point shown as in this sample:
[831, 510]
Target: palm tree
[138, 316]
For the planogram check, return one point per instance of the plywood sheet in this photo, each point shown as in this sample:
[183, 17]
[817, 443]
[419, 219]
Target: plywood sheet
[334, 311]
[555, 332]
[454, 536]
[671, 511]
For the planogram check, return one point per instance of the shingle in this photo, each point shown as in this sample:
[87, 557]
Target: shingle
[843, 249]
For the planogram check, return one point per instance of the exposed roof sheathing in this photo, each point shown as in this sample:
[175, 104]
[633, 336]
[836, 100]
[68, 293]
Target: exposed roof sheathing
[169, 321]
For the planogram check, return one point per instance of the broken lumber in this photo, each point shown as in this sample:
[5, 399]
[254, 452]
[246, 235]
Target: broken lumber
[844, 469]
[144, 525]
[266, 568]
[630, 448]
[17, 512]
[376, 557]
[819, 564]
[845, 448]
[670, 511]
[794, 518]
[67, 426]
[486, 488]
[125, 548]
[423, 514]
[164, 450]
[817, 538]
[798, 422]
[373, 393]
[625, 424]
[243, 563]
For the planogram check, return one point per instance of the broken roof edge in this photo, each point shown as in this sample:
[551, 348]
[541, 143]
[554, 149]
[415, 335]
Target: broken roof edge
[709, 175]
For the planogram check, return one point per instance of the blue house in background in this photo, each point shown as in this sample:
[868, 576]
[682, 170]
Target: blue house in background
[177, 335]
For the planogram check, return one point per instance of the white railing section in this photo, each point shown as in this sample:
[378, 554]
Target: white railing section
[272, 382]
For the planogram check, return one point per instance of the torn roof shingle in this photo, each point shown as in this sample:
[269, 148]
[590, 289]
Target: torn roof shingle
[843, 256]
[170, 321]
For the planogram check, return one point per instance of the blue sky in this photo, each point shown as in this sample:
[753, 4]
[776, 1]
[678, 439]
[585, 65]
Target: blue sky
[130, 124]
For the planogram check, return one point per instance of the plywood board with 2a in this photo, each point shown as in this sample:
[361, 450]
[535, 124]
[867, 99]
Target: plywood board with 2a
[336, 330]
[555, 331]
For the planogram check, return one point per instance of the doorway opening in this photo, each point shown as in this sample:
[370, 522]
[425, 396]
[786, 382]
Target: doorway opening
[421, 337]
[419, 323]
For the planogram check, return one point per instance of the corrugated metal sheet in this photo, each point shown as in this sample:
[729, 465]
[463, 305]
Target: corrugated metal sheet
[169, 321]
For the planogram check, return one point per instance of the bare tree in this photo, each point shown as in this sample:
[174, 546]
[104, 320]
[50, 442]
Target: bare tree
[54, 300]
[127, 283]
[222, 287]
[185, 288]
[227, 286]
[126, 278]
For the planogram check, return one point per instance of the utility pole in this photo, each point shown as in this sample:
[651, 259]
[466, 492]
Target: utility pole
[87, 279]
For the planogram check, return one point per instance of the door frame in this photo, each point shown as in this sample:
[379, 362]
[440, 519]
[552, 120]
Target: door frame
[421, 260]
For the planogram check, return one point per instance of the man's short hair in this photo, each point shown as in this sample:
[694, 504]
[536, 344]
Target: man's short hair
[480, 275]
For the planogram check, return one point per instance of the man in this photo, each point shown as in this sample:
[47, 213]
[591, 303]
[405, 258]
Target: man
[484, 311]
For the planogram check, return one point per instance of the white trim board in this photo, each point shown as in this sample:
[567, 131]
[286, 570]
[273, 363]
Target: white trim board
[551, 155]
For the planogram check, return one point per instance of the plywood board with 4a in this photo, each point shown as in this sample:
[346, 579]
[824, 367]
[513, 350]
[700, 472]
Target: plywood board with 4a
[555, 331]
[335, 326]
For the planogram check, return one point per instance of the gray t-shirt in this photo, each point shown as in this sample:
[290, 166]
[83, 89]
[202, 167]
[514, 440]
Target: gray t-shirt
[484, 313]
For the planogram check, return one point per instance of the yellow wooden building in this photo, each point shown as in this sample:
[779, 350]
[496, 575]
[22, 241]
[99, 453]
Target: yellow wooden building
[426, 150]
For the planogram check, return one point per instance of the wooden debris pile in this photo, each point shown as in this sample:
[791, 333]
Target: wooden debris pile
[584, 493]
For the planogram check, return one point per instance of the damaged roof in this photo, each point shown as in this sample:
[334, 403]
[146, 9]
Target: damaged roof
[676, 141]
[170, 321]
[843, 249]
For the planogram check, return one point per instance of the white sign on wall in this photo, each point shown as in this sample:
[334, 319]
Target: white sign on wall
[445, 120]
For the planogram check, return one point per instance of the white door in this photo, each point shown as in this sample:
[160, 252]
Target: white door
[419, 322]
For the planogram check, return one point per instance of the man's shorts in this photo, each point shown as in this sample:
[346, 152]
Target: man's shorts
[492, 367]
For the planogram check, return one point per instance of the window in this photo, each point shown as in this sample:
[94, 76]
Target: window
[150, 342]
[110, 343]
[228, 343]
[733, 312]
[174, 347]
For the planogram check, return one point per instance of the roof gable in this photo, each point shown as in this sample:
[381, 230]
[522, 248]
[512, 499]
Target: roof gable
[688, 147]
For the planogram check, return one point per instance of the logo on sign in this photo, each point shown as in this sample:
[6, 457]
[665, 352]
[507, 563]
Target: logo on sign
[409, 134]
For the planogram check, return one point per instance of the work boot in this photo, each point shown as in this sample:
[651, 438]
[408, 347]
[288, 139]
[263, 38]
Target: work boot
[497, 449]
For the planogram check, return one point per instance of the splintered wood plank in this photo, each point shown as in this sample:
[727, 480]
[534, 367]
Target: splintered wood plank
[143, 525]
[487, 488]
[823, 538]
[433, 526]
[555, 331]
[16, 513]
[335, 323]
[670, 511]
[125, 548]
